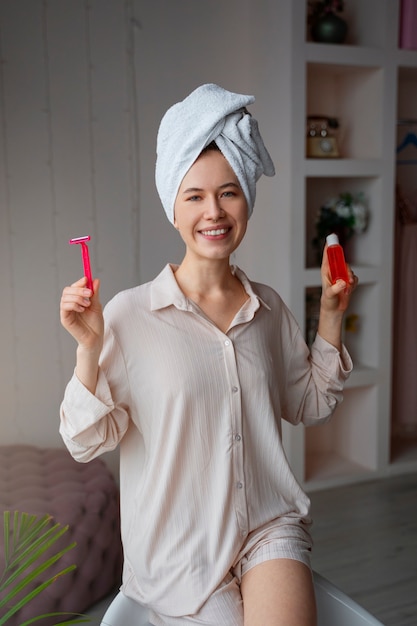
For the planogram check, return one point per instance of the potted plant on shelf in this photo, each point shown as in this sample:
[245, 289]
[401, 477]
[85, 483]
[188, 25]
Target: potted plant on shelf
[28, 540]
[325, 25]
[345, 215]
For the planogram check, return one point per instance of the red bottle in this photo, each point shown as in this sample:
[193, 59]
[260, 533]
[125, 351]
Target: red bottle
[336, 257]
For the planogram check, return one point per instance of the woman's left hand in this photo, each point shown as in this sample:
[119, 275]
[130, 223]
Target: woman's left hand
[334, 301]
[336, 297]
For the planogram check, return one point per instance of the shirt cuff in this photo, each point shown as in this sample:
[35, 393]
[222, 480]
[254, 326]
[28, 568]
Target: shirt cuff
[327, 350]
[81, 409]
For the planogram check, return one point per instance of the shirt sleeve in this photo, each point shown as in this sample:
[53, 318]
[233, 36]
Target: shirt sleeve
[92, 424]
[315, 381]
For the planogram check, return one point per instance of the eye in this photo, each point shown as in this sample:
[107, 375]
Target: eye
[193, 198]
[228, 194]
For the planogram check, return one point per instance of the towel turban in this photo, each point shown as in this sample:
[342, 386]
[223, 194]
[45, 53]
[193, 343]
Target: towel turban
[210, 113]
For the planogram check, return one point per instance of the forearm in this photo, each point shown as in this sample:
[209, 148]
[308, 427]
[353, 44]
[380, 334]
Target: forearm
[86, 368]
[330, 327]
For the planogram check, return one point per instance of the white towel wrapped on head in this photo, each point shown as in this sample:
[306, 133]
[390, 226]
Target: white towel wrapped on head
[210, 113]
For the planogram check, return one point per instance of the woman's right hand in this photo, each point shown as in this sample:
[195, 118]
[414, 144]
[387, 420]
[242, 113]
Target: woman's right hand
[82, 315]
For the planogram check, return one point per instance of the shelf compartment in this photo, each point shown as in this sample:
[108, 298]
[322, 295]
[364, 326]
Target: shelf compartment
[337, 54]
[362, 376]
[366, 35]
[362, 249]
[347, 445]
[358, 168]
[353, 95]
[367, 275]
[361, 335]
[362, 343]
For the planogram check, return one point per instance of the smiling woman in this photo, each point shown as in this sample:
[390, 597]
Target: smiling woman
[191, 375]
[211, 194]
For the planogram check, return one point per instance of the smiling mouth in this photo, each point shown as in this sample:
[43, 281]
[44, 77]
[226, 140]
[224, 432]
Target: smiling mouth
[213, 232]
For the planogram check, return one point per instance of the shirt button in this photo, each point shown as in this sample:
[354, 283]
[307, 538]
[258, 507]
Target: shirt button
[238, 437]
[239, 485]
[227, 342]
[235, 389]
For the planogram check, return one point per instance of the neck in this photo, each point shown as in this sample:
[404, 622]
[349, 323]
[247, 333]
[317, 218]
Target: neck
[205, 276]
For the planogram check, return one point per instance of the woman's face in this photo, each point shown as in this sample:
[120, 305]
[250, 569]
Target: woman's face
[211, 211]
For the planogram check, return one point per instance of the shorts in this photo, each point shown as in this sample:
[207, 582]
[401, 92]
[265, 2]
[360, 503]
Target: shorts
[283, 539]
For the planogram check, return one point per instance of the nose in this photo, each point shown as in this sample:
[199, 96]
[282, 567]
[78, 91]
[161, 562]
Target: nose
[213, 209]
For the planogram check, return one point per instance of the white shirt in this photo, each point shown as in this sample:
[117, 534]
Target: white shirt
[197, 413]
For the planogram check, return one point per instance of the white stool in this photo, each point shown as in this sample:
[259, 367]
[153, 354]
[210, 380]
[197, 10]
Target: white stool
[334, 608]
[124, 611]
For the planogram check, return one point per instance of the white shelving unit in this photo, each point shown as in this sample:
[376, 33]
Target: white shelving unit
[365, 84]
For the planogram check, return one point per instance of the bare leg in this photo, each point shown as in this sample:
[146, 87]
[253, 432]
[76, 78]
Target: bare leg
[279, 592]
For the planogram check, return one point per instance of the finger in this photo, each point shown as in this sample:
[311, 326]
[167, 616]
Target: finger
[353, 279]
[338, 287]
[68, 309]
[82, 296]
[96, 288]
[75, 299]
[325, 260]
[81, 282]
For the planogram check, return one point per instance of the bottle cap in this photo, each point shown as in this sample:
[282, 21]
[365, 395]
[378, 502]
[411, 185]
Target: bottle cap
[332, 240]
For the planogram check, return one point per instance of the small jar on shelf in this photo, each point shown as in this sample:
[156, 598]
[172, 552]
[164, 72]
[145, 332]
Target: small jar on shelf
[326, 26]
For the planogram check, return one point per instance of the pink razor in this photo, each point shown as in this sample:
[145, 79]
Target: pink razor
[86, 258]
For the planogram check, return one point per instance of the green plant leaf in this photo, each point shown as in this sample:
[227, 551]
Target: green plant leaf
[26, 539]
[23, 532]
[29, 596]
[32, 576]
[39, 549]
[77, 618]
[29, 538]
[33, 558]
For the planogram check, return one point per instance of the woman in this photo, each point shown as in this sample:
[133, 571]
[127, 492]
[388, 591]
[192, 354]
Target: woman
[191, 375]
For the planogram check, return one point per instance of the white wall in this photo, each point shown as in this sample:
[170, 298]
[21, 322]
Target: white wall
[83, 85]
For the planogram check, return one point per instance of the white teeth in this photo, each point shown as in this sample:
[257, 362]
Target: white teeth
[212, 233]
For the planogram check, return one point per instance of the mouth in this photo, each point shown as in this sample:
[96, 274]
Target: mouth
[214, 232]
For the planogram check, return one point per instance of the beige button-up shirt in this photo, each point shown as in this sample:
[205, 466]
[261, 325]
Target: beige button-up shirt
[197, 413]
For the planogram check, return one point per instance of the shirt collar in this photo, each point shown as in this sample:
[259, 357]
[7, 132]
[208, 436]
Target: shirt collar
[165, 291]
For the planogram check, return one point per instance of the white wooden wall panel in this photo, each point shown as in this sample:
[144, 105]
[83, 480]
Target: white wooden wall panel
[66, 169]
[109, 137]
[66, 62]
[8, 373]
[31, 220]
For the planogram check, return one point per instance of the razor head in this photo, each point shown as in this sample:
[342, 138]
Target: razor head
[80, 239]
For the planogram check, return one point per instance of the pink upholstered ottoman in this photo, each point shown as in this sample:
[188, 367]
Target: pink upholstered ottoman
[84, 496]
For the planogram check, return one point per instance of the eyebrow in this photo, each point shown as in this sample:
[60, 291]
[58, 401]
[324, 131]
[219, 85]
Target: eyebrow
[194, 189]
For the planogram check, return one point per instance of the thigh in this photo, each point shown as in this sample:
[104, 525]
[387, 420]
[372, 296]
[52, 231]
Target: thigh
[279, 592]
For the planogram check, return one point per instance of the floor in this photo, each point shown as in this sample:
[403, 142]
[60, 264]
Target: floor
[365, 539]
